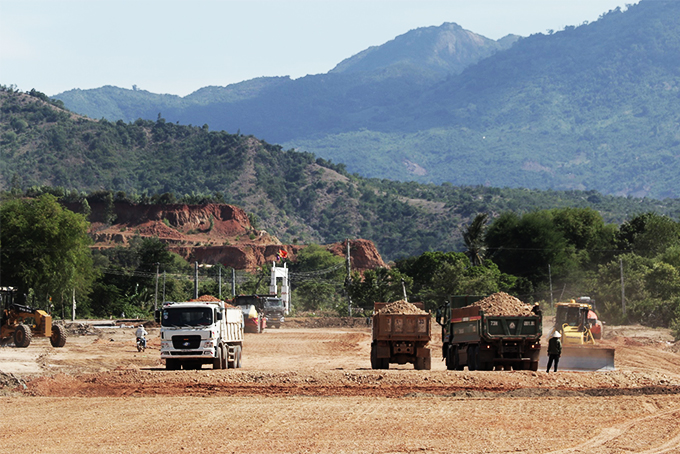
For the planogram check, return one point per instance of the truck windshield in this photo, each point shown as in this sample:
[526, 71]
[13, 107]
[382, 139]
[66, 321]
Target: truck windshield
[273, 303]
[187, 316]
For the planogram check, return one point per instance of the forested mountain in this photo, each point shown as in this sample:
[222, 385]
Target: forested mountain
[589, 107]
[296, 196]
[419, 58]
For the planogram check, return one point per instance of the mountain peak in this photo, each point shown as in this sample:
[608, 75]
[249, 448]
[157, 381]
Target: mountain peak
[446, 49]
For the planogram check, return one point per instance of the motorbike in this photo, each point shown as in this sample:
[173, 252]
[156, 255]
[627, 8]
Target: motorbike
[141, 345]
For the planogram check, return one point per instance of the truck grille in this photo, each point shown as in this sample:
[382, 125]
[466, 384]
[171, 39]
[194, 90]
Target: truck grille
[186, 342]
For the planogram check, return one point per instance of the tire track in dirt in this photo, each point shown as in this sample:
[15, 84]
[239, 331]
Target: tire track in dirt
[630, 435]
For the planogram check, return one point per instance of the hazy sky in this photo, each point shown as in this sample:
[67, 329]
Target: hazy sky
[177, 47]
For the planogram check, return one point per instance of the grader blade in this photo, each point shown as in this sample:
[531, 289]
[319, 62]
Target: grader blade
[581, 358]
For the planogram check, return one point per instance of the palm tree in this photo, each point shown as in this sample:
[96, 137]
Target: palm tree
[473, 237]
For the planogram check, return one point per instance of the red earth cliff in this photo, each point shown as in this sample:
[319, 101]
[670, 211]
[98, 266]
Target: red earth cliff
[208, 234]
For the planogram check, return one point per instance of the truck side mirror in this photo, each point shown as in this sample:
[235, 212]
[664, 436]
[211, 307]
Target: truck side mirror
[218, 316]
[157, 315]
[438, 316]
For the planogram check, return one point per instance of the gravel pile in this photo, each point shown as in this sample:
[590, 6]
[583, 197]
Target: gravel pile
[502, 304]
[401, 307]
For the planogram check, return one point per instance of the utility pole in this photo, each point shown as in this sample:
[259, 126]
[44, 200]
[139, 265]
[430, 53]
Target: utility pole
[164, 286]
[195, 280]
[155, 298]
[219, 283]
[349, 279]
[623, 290]
[233, 283]
[550, 278]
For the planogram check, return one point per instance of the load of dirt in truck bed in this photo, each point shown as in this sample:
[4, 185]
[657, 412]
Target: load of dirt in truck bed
[502, 304]
[401, 307]
[209, 298]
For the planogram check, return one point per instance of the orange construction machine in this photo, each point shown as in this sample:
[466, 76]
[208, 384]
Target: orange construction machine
[20, 323]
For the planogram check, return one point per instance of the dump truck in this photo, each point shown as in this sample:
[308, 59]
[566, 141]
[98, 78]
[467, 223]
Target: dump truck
[577, 322]
[194, 333]
[20, 323]
[401, 332]
[274, 309]
[253, 307]
[486, 333]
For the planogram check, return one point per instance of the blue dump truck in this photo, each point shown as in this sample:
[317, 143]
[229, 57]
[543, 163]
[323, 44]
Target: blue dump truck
[486, 333]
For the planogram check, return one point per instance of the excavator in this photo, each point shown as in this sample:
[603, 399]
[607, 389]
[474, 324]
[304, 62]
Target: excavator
[20, 323]
[578, 323]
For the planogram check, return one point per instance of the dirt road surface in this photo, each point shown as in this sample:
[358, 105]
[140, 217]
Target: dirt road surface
[311, 390]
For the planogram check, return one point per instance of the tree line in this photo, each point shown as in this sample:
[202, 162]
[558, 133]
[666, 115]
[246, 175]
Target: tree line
[541, 256]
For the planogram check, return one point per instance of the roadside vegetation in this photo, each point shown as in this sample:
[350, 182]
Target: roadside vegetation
[540, 256]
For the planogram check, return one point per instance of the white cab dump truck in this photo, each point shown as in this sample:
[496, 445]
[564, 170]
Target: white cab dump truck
[200, 332]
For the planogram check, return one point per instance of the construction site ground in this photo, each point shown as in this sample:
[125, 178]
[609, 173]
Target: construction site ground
[308, 388]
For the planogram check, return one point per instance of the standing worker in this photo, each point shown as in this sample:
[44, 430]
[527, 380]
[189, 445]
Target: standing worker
[554, 350]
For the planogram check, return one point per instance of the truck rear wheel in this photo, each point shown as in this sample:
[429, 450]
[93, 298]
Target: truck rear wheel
[456, 359]
[237, 360]
[450, 365]
[472, 357]
[378, 363]
[22, 336]
[58, 337]
[217, 361]
[375, 364]
[423, 363]
[225, 356]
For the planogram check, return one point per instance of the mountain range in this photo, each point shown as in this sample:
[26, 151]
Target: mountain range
[591, 107]
[292, 195]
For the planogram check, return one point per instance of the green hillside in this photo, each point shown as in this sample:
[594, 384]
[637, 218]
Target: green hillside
[296, 196]
[593, 107]
[590, 107]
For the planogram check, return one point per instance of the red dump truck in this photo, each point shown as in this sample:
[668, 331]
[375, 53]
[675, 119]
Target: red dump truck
[401, 332]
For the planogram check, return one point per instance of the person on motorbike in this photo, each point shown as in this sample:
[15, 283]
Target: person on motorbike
[141, 335]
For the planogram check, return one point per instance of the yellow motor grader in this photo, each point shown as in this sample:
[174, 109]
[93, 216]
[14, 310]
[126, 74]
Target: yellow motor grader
[20, 323]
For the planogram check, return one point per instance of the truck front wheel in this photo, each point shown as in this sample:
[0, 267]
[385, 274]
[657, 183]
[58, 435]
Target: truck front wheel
[172, 364]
